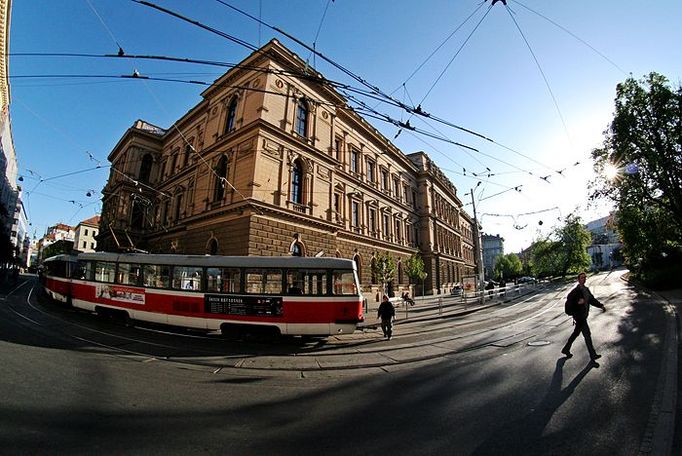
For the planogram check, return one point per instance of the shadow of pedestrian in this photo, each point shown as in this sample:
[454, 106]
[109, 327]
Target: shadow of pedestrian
[524, 436]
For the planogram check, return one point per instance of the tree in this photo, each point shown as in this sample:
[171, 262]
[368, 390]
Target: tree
[383, 267]
[414, 268]
[644, 145]
[564, 252]
[507, 266]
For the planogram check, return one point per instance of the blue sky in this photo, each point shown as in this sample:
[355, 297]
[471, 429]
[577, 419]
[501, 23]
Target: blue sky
[491, 84]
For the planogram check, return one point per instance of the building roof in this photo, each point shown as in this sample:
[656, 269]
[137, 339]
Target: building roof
[92, 221]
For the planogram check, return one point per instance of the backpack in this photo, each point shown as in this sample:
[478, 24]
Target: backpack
[570, 307]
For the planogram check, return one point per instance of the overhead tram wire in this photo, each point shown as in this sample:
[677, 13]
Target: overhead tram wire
[317, 34]
[416, 70]
[544, 77]
[442, 73]
[381, 96]
[602, 55]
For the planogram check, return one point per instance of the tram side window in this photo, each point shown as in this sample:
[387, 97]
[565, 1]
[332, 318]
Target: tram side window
[307, 282]
[226, 280]
[187, 277]
[128, 274]
[344, 283]
[156, 275]
[105, 272]
[262, 281]
[84, 270]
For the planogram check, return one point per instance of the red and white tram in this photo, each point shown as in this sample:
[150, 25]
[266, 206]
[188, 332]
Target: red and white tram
[286, 295]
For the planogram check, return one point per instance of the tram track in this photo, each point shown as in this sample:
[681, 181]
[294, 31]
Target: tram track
[500, 326]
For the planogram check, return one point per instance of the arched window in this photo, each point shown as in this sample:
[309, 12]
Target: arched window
[302, 118]
[212, 247]
[221, 177]
[146, 168]
[297, 183]
[231, 115]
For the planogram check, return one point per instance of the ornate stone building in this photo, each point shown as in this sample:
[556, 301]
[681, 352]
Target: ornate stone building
[274, 162]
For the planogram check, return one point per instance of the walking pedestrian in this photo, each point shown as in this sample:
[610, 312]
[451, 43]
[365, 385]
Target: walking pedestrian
[386, 313]
[578, 302]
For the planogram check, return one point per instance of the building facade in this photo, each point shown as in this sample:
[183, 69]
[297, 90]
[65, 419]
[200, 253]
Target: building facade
[605, 246]
[85, 235]
[274, 162]
[493, 246]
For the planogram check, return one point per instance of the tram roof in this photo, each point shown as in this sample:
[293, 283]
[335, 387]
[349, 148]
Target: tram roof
[221, 261]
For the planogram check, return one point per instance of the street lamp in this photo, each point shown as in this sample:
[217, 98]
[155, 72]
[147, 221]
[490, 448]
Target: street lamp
[424, 275]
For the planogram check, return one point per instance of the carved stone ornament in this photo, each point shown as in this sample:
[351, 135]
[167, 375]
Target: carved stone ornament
[279, 83]
[325, 115]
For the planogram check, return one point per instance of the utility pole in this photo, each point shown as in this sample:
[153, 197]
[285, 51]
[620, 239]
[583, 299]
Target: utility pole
[478, 253]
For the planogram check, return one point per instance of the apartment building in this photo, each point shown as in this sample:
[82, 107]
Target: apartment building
[85, 234]
[273, 161]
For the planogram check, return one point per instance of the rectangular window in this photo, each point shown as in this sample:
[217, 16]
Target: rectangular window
[264, 281]
[92, 245]
[414, 199]
[306, 282]
[397, 230]
[104, 271]
[128, 274]
[372, 220]
[225, 280]
[344, 283]
[396, 188]
[354, 161]
[187, 277]
[156, 275]
[85, 245]
[86, 231]
[338, 146]
[384, 179]
[84, 270]
[356, 213]
[370, 171]
[384, 225]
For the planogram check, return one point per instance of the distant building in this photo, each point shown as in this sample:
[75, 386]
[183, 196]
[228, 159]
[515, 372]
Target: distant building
[493, 246]
[605, 244]
[62, 233]
[85, 234]
[273, 161]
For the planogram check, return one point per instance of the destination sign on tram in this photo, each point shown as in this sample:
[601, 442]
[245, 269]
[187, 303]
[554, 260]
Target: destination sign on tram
[243, 305]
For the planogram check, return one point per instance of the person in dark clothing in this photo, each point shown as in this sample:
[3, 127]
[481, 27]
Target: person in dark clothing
[407, 299]
[580, 299]
[386, 313]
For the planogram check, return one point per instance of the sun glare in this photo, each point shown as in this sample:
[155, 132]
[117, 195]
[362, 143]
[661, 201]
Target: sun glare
[610, 171]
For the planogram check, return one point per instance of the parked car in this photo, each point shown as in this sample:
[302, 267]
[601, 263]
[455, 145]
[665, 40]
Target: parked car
[456, 290]
[527, 279]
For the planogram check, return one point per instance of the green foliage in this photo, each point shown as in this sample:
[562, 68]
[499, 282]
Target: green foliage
[414, 268]
[383, 267]
[565, 252]
[644, 142]
[507, 266]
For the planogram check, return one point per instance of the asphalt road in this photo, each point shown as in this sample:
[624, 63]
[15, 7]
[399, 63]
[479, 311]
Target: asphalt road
[487, 382]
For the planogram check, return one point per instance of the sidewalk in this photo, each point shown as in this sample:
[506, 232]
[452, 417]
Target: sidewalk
[442, 306]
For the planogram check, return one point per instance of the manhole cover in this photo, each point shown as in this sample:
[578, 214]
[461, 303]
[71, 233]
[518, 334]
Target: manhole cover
[539, 343]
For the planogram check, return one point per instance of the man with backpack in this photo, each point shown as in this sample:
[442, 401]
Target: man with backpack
[577, 305]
